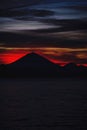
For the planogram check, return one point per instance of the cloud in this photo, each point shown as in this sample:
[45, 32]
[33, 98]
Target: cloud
[46, 24]
[30, 38]
[71, 57]
[82, 8]
[55, 54]
[15, 3]
[17, 25]
[25, 12]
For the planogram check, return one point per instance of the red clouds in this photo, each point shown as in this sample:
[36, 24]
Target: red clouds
[59, 56]
[8, 57]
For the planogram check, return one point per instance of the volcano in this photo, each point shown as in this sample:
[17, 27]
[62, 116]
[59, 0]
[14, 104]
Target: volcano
[32, 65]
[32, 60]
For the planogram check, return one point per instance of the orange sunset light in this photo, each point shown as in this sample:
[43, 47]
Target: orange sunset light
[9, 55]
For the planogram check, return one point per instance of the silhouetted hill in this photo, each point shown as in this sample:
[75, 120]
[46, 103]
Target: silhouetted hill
[2, 70]
[73, 70]
[32, 60]
[71, 67]
[34, 65]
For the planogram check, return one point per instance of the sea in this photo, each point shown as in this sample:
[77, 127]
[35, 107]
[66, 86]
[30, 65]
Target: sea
[43, 104]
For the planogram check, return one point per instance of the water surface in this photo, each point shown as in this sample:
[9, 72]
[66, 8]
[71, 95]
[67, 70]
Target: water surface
[43, 104]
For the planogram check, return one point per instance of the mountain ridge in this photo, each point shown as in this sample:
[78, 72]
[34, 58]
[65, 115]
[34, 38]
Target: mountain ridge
[31, 58]
[35, 65]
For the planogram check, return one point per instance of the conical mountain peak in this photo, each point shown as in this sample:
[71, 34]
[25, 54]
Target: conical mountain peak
[33, 55]
[32, 64]
[32, 60]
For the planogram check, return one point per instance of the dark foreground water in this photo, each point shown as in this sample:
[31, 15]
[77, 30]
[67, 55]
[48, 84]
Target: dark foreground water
[41, 104]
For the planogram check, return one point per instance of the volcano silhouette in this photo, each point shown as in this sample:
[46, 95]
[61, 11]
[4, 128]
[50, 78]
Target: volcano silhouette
[31, 60]
[35, 65]
[32, 65]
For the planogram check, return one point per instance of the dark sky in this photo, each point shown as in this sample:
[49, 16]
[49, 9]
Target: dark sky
[55, 28]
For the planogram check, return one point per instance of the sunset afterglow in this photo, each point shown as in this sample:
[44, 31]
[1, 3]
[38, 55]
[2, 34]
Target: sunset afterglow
[57, 55]
[55, 29]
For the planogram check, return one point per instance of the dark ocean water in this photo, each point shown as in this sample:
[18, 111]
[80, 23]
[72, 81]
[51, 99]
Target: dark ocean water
[43, 104]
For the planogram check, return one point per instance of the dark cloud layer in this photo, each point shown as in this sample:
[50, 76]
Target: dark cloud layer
[46, 23]
[31, 12]
[12, 3]
[72, 58]
[15, 3]
[32, 39]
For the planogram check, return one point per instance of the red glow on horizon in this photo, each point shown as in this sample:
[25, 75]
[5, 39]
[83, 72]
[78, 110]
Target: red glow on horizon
[51, 60]
[9, 57]
[85, 65]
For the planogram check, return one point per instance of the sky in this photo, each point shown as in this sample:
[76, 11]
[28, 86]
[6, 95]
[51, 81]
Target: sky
[56, 29]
